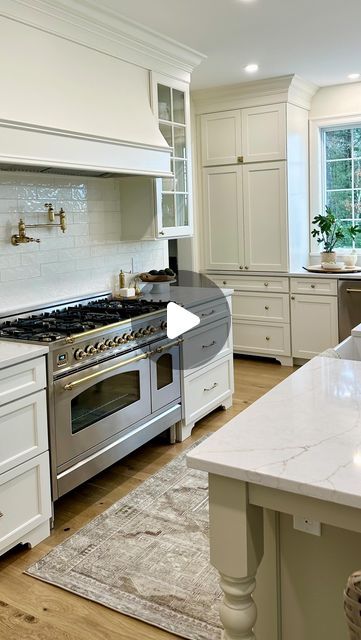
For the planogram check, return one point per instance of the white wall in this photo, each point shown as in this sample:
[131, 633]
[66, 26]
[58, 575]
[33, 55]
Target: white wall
[338, 100]
[86, 258]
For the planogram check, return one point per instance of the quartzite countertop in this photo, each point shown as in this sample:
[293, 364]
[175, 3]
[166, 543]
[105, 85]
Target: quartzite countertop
[303, 436]
[16, 352]
[297, 450]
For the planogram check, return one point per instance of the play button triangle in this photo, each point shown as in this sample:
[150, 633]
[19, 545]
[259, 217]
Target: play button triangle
[179, 320]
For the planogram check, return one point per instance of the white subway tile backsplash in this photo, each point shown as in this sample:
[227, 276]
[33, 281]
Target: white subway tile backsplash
[85, 259]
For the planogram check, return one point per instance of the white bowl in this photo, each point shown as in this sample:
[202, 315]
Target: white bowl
[332, 266]
[350, 260]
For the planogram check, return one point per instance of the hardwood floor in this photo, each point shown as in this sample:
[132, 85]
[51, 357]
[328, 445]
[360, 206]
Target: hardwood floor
[33, 610]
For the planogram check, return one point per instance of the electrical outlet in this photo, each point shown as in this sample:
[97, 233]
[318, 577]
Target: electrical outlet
[307, 525]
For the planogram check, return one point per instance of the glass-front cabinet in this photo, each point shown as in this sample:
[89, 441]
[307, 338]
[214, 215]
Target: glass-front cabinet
[170, 102]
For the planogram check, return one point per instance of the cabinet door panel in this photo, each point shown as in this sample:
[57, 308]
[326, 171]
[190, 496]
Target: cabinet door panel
[223, 218]
[314, 324]
[265, 216]
[264, 133]
[221, 138]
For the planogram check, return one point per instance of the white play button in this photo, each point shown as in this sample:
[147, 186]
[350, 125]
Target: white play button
[179, 320]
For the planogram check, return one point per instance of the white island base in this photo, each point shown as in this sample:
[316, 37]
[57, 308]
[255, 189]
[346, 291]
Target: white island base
[295, 451]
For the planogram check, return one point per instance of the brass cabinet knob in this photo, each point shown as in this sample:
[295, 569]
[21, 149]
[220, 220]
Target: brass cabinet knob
[292, 297]
[241, 266]
[266, 284]
[224, 281]
[161, 233]
[313, 286]
[268, 338]
[246, 267]
[267, 307]
[240, 159]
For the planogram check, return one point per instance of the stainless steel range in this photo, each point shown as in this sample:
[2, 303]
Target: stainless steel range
[113, 381]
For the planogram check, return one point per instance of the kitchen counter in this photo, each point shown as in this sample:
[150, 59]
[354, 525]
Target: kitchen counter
[190, 296]
[339, 275]
[297, 450]
[16, 352]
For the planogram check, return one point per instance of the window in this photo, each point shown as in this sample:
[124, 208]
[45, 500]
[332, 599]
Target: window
[342, 175]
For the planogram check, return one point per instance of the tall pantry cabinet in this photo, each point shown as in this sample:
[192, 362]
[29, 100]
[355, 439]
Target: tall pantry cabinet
[253, 176]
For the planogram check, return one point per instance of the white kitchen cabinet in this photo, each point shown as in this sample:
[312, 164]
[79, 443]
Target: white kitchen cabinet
[245, 217]
[314, 324]
[153, 208]
[260, 315]
[256, 134]
[25, 501]
[207, 371]
[265, 216]
[223, 217]
[264, 133]
[221, 138]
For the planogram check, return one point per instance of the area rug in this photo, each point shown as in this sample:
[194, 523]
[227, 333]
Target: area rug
[147, 556]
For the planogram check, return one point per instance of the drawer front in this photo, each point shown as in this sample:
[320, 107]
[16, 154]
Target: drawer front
[24, 499]
[317, 286]
[211, 311]
[23, 430]
[207, 388]
[261, 338]
[201, 345]
[259, 307]
[251, 283]
[22, 379]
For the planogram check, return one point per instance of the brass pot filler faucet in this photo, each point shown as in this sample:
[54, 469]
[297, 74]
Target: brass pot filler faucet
[22, 238]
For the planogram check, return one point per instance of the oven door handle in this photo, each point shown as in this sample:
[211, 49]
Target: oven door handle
[164, 347]
[92, 376]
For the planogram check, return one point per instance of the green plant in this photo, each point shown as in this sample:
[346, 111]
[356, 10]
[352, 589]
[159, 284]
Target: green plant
[330, 231]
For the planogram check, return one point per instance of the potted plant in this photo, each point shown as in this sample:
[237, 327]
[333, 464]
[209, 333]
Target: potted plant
[330, 232]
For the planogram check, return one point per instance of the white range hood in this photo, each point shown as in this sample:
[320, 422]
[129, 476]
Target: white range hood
[40, 149]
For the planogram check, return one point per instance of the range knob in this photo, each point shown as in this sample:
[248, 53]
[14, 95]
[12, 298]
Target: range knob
[119, 340]
[144, 331]
[126, 337]
[100, 346]
[151, 329]
[90, 350]
[110, 343]
[79, 354]
[163, 325]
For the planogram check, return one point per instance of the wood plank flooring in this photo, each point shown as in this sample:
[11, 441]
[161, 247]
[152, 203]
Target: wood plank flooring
[33, 610]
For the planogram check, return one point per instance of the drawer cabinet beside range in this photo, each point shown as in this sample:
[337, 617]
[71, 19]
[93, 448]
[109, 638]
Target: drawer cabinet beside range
[25, 500]
[207, 372]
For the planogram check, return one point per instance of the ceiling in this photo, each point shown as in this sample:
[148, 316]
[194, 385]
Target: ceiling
[316, 39]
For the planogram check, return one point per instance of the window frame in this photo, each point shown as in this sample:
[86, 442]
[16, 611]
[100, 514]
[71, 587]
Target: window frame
[317, 165]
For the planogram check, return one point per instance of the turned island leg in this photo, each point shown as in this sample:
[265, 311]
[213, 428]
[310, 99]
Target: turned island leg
[236, 549]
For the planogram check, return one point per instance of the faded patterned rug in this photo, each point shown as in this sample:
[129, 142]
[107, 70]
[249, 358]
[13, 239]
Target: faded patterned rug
[147, 556]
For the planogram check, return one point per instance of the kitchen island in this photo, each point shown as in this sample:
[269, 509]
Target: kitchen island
[296, 451]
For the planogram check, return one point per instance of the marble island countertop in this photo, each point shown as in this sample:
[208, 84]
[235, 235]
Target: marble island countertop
[303, 436]
[16, 352]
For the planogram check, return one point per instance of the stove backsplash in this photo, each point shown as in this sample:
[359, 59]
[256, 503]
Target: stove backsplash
[85, 259]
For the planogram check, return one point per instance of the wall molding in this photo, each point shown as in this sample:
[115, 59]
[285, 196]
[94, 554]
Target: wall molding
[290, 88]
[86, 23]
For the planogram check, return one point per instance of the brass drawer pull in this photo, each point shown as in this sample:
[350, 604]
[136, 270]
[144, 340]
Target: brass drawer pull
[204, 315]
[206, 346]
[353, 290]
[214, 385]
[239, 158]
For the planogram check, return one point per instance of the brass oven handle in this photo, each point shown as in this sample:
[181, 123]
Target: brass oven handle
[167, 346]
[114, 325]
[353, 290]
[71, 385]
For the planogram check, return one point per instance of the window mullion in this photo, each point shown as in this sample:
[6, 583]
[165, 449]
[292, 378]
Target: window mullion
[352, 181]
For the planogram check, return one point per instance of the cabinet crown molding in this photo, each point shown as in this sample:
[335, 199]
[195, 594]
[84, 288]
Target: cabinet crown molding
[88, 23]
[290, 88]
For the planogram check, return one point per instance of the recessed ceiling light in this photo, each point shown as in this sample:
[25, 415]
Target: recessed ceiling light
[353, 76]
[251, 68]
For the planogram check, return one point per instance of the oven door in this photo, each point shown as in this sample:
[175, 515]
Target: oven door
[164, 373]
[99, 402]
